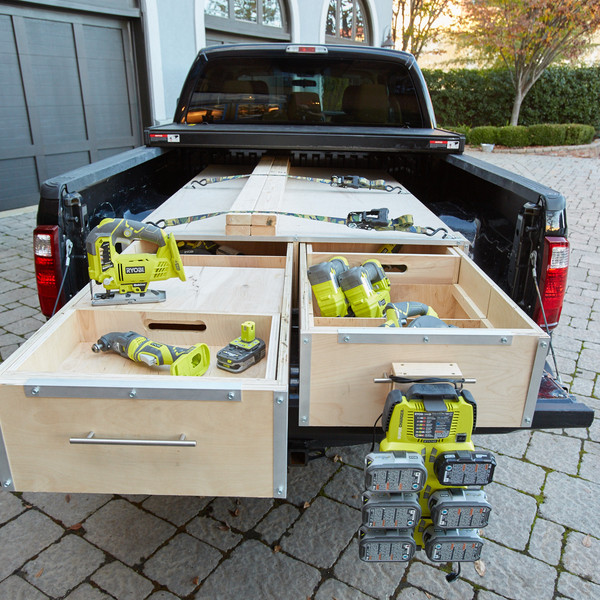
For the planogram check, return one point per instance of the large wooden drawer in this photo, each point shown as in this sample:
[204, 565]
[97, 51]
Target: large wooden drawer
[76, 421]
[492, 340]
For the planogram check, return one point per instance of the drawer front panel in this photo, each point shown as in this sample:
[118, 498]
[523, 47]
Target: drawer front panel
[233, 453]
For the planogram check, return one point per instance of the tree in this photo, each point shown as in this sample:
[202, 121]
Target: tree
[417, 22]
[529, 35]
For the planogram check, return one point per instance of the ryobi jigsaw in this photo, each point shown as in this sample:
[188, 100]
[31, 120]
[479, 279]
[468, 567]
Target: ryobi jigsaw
[126, 277]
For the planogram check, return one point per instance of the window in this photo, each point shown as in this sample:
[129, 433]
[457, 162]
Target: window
[266, 13]
[346, 23]
[305, 90]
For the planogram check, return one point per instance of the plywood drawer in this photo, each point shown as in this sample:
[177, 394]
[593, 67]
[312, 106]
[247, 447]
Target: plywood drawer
[492, 341]
[76, 421]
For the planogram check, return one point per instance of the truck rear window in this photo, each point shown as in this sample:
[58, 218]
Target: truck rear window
[305, 90]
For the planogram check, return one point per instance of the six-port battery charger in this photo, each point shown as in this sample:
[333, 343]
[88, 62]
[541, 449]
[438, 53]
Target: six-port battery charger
[426, 458]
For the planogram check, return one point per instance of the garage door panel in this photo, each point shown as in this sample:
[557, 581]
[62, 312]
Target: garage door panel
[19, 181]
[68, 95]
[14, 120]
[52, 59]
[108, 85]
[60, 163]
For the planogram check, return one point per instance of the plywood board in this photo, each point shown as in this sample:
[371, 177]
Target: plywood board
[37, 432]
[274, 191]
[214, 289]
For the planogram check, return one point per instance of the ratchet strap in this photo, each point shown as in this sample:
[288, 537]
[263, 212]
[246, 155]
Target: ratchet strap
[375, 219]
[343, 181]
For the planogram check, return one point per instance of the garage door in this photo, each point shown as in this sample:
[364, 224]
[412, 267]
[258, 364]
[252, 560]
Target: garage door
[68, 96]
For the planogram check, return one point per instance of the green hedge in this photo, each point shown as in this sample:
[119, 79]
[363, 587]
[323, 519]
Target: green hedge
[535, 135]
[485, 134]
[513, 136]
[477, 97]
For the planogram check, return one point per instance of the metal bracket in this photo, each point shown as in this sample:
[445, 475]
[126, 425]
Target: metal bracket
[280, 439]
[6, 479]
[537, 372]
[186, 389]
[406, 336]
[304, 379]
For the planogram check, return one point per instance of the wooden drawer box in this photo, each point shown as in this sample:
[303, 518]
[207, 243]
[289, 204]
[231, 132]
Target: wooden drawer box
[493, 341]
[219, 434]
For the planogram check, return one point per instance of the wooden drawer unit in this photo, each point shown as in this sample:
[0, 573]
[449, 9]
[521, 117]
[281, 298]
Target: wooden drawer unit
[492, 340]
[76, 421]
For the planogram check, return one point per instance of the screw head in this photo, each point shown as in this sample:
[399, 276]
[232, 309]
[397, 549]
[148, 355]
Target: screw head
[7, 483]
[305, 340]
[35, 391]
[346, 338]
[544, 344]
[426, 339]
[231, 395]
[132, 393]
[304, 419]
[504, 340]
[279, 400]
[279, 491]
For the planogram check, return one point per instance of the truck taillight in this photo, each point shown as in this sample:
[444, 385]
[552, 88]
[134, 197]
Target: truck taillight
[46, 254]
[553, 281]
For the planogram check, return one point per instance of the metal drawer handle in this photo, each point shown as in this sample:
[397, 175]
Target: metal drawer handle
[90, 439]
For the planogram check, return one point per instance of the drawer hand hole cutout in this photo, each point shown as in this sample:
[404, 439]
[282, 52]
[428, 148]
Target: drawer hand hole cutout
[395, 268]
[170, 326]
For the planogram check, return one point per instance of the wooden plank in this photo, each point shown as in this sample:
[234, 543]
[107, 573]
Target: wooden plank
[213, 289]
[248, 197]
[238, 230]
[271, 196]
[411, 369]
[238, 220]
[233, 260]
[263, 230]
[466, 303]
[402, 268]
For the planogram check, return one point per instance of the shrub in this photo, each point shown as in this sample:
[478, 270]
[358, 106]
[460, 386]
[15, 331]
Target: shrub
[547, 135]
[483, 135]
[513, 136]
[578, 134]
[484, 96]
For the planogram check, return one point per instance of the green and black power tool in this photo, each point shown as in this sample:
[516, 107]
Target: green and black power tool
[397, 313]
[324, 280]
[367, 288]
[192, 361]
[243, 352]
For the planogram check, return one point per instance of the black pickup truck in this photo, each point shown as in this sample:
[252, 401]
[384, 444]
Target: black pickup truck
[342, 108]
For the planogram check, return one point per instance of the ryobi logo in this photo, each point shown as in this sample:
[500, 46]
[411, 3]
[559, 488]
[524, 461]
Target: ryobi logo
[134, 270]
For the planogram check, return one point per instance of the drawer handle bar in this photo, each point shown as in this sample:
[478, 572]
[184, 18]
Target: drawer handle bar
[91, 439]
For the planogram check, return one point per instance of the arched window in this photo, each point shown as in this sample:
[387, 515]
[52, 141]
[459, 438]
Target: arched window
[347, 23]
[241, 20]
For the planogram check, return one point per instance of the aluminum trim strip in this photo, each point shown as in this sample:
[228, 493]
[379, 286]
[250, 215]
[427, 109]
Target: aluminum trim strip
[6, 479]
[537, 372]
[406, 336]
[280, 445]
[187, 389]
[304, 379]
